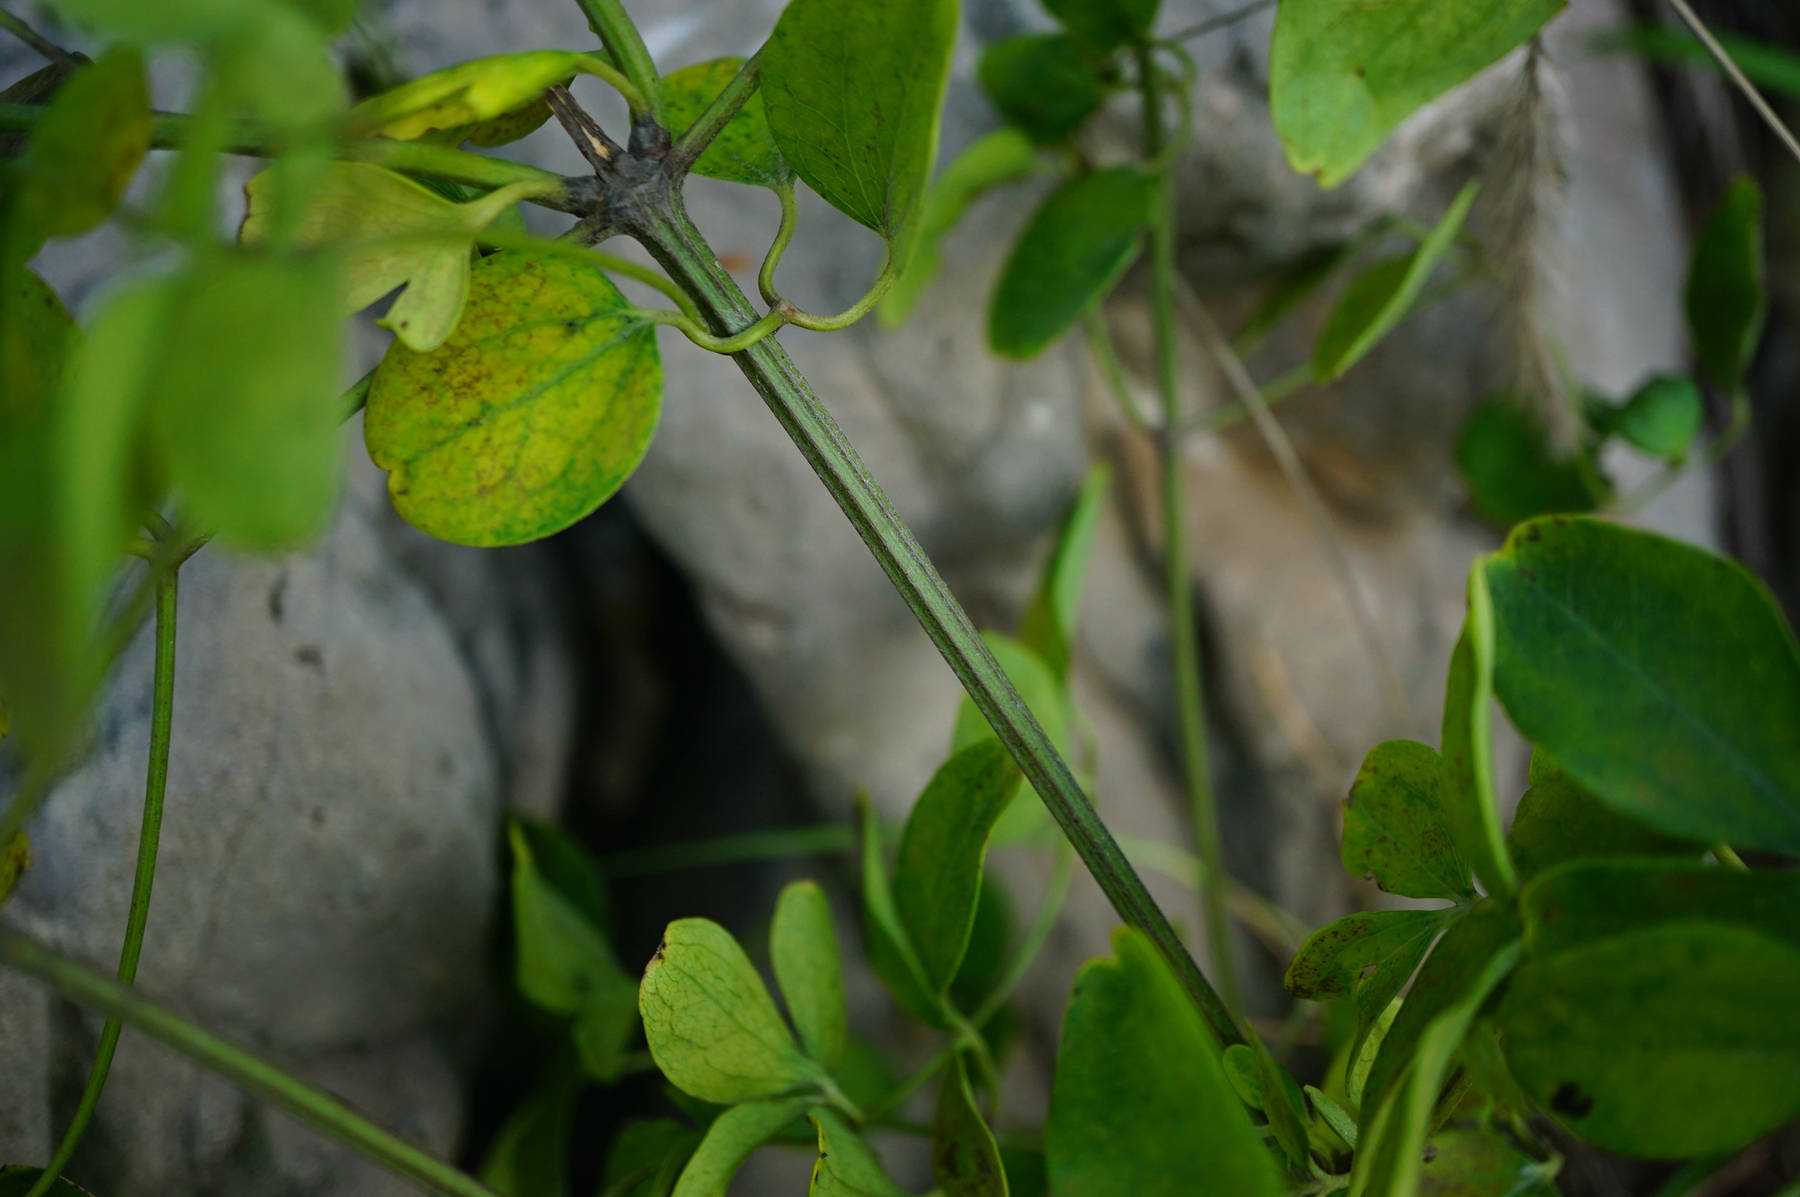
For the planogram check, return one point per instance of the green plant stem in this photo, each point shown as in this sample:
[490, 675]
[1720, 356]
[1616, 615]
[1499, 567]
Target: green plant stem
[1223, 21]
[156, 778]
[590, 64]
[1106, 356]
[1748, 89]
[672, 239]
[1284, 387]
[828, 840]
[801, 318]
[790, 214]
[693, 140]
[736, 343]
[255, 1076]
[627, 50]
[1184, 639]
[35, 40]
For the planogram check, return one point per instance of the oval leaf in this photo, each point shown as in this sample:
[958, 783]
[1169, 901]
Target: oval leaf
[730, 1140]
[1586, 901]
[846, 1167]
[1506, 461]
[1725, 296]
[1661, 676]
[448, 102]
[1343, 76]
[854, 94]
[1559, 820]
[1045, 85]
[965, 1160]
[1082, 238]
[1105, 24]
[1140, 1103]
[744, 150]
[646, 1157]
[1395, 828]
[804, 950]
[1667, 1043]
[532, 414]
[1662, 417]
[85, 150]
[712, 1027]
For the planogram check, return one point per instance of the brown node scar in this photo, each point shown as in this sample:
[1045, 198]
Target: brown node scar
[584, 130]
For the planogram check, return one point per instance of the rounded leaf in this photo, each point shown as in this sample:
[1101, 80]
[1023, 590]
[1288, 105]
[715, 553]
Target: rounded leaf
[533, 412]
[744, 150]
[1395, 825]
[1044, 85]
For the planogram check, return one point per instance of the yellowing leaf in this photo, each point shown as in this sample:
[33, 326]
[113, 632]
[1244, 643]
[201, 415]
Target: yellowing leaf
[449, 102]
[389, 232]
[533, 412]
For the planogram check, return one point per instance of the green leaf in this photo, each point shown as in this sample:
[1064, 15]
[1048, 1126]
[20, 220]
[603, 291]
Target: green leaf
[1661, 418]
[531, 415]
[1669, 1042]
[1342, 77]
[1078, 244]
[530, 1154]
[389, 232]
[1584, 901]
[1368, 957]
[15, 858]
[1468, 745]
[1273, 1092]
[1333, 1116]
[804, 949]
[729, 1142]
[563, 961]
[1043, 691]
[1391, 1139]
[1140, 1103]
[85, 150]
[1464, 1162]
[244, 415]
[1294, 286]
[886, 941]
[17, 1181]
[1394, 825]
[1044, 85]
[1105, 24]
[1001, 157]
[1048, 628]
[854, 94]
[846, 1167]
[990, 940]
[451, 104]
[1726, 300]
[1505, 459]
[712, 1027]
[1488, 932]
[937, 875]
[1662, 677]
[744, 150]
[965, 1160]
[1559, 820]
[646, 1156]
[1380, 297]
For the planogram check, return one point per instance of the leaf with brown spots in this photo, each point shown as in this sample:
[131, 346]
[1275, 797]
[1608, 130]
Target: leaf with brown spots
[531, 415]
[1395, 826]
[1368, 957]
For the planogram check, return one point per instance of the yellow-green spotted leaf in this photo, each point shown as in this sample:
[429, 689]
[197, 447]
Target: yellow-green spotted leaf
[389, 232]
[744, 150]
[532, 414]
[446, 104]
[712, 1027]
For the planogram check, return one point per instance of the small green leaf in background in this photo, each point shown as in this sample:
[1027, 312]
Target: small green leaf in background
[1663, 678]
[729, 1142]
[1662, 417]
[1080, 241]
[1333, 1116]
[1506, 461]
[985, 963]
[1267, 1087]
[1467, 741]
[389, 232]
[17, 1181]
[1105, 24]
[885, 938]
[965, 1160]
[1770, 67]
[1465, 1162]
[804, 950]
[1726, 301]
[530, 1153]
[448, 105]
[1590, 900]
[1140, 1103]
[1669, 1042]
[1391, 1138]
[533, 413]
[744, 150]
[1558, 820]
[1487, 932]
[854, 94]
[1343, 76]
[994, 160]
[1394, 825]
[1049, 624]
[646, 1156]
[1367, 957]
[1044, 693]
[84, 151]
[937, 875]
[245, 416]
[1381, 296]
[1045, 85]
[1296, 284]
[846, 1167]
[712, 1026]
